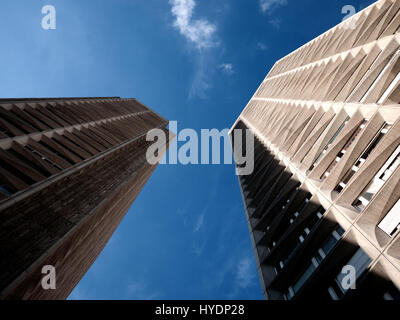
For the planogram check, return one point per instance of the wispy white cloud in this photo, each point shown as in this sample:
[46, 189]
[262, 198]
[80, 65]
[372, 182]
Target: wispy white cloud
[227, 68]
[199, 223]
[200, 32]
[244, 276]
[268, 5]
[202, 79]
[275, 22]
[231, 265]
[262, 46]
[198, 248]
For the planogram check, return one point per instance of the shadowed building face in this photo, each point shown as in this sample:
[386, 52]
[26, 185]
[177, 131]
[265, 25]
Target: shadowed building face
[324, 195]
[69, 171]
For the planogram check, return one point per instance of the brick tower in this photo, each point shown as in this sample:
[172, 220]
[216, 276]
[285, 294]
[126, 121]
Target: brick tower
[69, 171]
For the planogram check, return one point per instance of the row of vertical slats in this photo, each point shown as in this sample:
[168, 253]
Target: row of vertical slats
[345, 79]
[24, 165]
[382, 21]
[44, 117]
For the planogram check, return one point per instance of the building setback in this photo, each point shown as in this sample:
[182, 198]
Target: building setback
[324, 194]
[69, 171]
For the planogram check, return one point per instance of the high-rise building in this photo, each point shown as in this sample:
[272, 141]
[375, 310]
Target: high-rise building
[69, 171]
[322, 203]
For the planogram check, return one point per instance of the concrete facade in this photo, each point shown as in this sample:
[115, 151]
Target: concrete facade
[70, 170]
[326, 186]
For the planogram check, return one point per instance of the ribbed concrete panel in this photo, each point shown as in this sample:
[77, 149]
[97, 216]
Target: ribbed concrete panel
[324, 193]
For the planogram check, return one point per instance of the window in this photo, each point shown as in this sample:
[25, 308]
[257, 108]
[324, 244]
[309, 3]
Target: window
[333, 240]
[360, 161]
[28, 148]
[392, 293]
[279, 267]
[5, 132]
[320, 156]
[290, 218]
[379, 180]
[301, 208]
[303, 235]
[390, 224]
[307, 274]
[322, 253]
[4, 189]
[291, 195]
[56, 152]
[345, 148]
[360, 261]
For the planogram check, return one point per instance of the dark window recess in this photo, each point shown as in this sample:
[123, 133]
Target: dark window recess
[305, 202]
[17, 125]
[303, 235]
[29, 163]
[320, 256]
[25, 120]
[16, 172]
[28, 148]
[392, 293]
[6, 189]
[6, 132]
[56, 152]
[282, 189]
[291, 196]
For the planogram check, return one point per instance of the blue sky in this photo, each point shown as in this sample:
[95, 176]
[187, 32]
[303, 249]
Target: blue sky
[197, 62]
